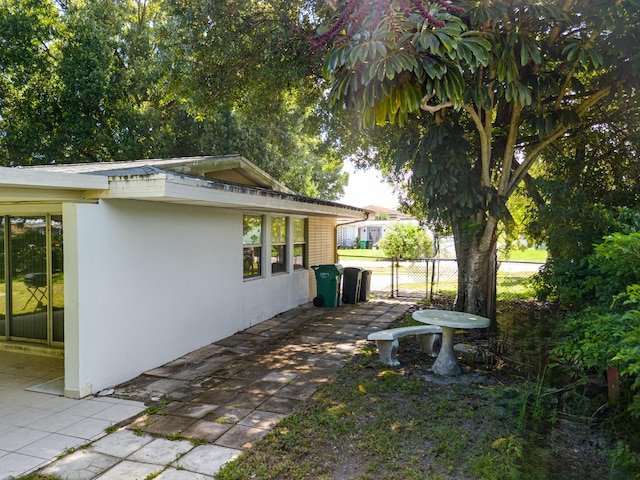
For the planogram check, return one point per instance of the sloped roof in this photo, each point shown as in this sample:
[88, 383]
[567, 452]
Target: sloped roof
[388, 211]
[228, 168]
[227, 182]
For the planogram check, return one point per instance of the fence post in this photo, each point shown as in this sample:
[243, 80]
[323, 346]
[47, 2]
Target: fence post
[426, 278]
[433, 277]
[392, 267]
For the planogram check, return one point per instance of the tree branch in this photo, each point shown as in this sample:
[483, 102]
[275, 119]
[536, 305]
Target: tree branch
[485, 142]
[557, 133]
[555, 31]
[510, 148]
[433, 108]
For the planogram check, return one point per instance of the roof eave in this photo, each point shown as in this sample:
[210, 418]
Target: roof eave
[167, 188]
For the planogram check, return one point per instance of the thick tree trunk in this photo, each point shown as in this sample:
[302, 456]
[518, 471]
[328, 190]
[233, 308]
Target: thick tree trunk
[477, 269]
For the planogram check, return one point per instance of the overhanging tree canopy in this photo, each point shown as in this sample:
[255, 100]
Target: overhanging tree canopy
[108, 80]
[482, 89]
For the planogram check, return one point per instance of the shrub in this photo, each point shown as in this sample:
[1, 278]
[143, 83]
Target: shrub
[597, 338]
[595, 279]
[405, 240]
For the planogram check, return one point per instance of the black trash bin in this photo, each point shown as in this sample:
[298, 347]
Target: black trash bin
[351, 280]
[365, 285]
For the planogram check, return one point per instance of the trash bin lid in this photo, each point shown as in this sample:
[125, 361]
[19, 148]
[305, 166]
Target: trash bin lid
[330, 267]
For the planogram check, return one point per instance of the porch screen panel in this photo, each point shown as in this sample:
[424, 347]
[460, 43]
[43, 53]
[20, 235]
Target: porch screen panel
[57, 279]
[3, 284]
[28, 247]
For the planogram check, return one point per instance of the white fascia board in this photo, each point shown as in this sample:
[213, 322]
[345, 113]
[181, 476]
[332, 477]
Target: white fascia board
[40, 179]
[193, 191]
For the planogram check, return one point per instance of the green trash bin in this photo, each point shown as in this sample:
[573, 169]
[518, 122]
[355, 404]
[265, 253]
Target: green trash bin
[328, 284]
[363, 244]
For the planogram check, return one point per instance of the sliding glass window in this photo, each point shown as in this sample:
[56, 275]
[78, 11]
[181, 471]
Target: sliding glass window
[32, 288]
[252, 245]
[299, 243]
[278, 244]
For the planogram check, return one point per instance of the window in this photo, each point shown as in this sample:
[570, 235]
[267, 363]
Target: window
[252, 245]
[299, 243]
[278, 244]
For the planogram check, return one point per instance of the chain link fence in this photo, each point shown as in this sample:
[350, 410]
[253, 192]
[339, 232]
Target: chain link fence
[437, 276]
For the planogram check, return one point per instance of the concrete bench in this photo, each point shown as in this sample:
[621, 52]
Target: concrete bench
[387, 341]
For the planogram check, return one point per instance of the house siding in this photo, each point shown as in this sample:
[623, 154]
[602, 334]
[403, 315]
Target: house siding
[322, 246]
[154, 282]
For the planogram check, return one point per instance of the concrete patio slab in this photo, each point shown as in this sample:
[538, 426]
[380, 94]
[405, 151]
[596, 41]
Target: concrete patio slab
[229, 394]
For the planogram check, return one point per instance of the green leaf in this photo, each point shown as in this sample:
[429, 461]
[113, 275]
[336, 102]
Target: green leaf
[596, 57]
[571, 51]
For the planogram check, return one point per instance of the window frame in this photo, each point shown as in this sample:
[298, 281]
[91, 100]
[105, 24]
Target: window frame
[296, 243]
[279, 242]
[250, 247]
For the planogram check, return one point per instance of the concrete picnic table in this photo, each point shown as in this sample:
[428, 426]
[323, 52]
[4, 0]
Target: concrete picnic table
[446, 362]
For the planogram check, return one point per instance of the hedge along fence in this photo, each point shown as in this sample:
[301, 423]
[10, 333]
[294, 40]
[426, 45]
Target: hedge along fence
[438, 276]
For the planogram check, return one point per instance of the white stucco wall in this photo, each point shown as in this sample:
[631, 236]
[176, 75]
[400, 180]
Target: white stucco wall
[154, 282]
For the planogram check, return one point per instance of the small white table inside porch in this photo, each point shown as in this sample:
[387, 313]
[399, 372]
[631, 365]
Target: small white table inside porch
[446, 362]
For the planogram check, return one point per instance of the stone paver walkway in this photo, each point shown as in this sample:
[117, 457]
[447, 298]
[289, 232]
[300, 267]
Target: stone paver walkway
[212, 404]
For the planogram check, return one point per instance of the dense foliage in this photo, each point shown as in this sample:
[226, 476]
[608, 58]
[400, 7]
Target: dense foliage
[604, 337]
[109, 80]
[481, 94]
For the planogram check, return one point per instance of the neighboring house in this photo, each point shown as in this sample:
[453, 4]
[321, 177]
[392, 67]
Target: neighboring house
[125, 266]
[370, 231]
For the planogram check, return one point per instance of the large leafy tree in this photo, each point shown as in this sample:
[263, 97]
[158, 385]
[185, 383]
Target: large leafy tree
[108, 80]
[248, 62]
[480, 90]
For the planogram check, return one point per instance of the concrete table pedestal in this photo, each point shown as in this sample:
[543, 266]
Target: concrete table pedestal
[446, 363]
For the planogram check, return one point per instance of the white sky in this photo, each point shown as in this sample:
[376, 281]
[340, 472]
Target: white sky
[366, 187]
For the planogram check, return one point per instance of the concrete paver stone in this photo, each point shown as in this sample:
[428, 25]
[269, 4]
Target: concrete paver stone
[167, 424]
[15, 463]
[51, 446]
[166, 385]
[207, 459]
[209, 430]
[280, 405]
[121, 443]
[241, 437]
[161, 451]
[191, 409]
[81, 465]
[173, 474]
[263, 420]
[130, 471]
[229, 414]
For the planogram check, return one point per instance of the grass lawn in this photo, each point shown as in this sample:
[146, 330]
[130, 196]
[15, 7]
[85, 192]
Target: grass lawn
[364, 253]
[22, 301]
[527, 255]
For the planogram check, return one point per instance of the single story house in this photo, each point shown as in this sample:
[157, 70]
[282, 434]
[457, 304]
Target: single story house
[121, 267]
[372, 229]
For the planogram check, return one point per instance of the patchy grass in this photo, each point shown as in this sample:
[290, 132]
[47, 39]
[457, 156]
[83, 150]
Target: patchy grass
[372, 422]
